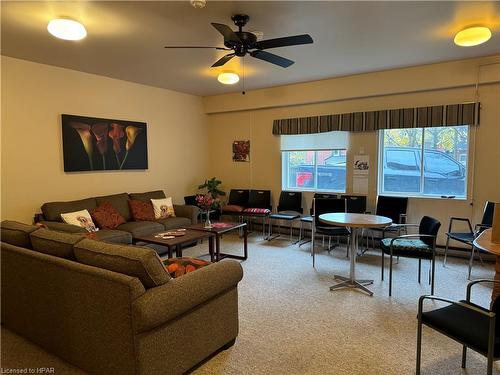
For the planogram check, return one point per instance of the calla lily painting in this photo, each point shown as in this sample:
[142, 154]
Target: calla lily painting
[93, 144]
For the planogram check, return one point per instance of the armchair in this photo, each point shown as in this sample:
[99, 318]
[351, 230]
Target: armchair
[468, 237]
[480, 334]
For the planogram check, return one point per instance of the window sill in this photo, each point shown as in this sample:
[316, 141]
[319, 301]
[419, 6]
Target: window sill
[423, 196]
[314, 190]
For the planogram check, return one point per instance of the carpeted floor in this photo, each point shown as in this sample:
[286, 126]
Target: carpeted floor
[290, 323]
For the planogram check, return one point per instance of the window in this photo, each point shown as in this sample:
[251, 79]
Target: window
[323, 170]
[424, 162]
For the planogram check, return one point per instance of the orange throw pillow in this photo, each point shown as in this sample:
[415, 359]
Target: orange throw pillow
[106, 216]
[142, 211]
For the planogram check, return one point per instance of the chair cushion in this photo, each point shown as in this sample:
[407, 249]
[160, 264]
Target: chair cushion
[106, 216]
[59, 244]
[451, 318]
[115, 236]
[180, 266]
[285, 216]
[306, 219]
[333, 231]
[119, 203]
[174, 222]
[17, 234]
[462, 237]
[257, 211]
[142, 210]
[232, 208]
[136, 261]
[52, 210]
[148, 195]
[141, 228]
[413, 248]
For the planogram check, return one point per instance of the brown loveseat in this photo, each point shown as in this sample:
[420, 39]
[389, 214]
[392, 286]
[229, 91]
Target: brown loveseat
[185, 215]
[64, 292]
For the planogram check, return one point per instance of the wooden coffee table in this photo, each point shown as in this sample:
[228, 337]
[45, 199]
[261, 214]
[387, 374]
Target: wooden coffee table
[178, 242]
[218, 229]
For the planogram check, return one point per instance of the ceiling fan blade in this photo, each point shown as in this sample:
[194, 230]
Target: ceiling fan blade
[284, 42]
[272, 58]
[223, 60]
[227, 32]
[219, 48]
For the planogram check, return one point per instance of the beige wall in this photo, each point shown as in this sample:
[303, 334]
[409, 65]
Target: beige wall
[264, 170]
[33, 98]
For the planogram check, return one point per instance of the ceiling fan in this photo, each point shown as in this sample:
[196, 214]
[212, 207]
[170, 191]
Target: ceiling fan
[243, 42]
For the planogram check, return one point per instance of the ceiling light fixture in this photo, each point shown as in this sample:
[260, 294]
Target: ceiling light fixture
[472, 36]
[198, 3]
[228, 77]
[67, 29]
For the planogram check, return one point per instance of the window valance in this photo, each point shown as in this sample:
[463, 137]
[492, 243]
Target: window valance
[419, 117]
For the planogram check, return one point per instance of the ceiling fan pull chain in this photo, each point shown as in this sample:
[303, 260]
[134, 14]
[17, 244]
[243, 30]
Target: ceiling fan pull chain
[243, 80]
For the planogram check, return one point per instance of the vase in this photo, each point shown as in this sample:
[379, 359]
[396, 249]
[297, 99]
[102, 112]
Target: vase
[208, 223]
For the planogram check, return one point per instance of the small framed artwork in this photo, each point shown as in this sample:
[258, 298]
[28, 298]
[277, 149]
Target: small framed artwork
[241, 151]
[93, 144]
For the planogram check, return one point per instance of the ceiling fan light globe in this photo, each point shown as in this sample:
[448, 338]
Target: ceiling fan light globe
[67, 29]
[472, 36]
[198, 4]
[228, 78]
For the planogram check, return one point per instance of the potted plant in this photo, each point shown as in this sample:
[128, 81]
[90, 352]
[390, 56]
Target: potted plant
[210, 199]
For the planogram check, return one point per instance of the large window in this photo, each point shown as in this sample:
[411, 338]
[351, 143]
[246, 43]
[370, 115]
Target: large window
[424, 162]
[314, 170]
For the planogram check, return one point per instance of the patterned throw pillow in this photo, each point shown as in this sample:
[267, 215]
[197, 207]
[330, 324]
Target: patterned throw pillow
[106, 216]
[258, 211]
[163, 208]
[141, 211]
[81, 219]
[180, 266]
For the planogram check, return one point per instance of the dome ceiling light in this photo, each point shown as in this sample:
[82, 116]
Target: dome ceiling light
[472, 36]
[67, 29]
[228, 78]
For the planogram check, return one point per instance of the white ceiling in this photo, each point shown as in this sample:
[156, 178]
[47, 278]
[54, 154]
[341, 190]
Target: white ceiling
[125, 39]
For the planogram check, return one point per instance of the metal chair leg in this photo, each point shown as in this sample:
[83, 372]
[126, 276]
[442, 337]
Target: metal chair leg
[383, 265]
[471, 260]
[446, 251]
[433, 274]
[464, 356]
[419, 269]
[390, 276]
[419, 346]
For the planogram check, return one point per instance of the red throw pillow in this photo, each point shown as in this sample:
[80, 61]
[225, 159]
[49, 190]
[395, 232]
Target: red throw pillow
[232, 208]
[106, 216]
[142, 211]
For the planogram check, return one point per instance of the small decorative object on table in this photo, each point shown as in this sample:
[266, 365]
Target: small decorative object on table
[207, 202]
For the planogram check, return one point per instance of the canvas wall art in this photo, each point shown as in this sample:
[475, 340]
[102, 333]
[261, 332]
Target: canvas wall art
[93, 144]
[241, 151]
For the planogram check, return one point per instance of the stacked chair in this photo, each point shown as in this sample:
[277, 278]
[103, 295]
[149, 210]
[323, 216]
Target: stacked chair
[309, 219]
[289, 209]
[323, 206]
[469, 236]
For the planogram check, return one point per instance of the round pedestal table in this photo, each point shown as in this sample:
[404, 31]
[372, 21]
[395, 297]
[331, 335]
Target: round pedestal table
[354, 222]
[484, 242]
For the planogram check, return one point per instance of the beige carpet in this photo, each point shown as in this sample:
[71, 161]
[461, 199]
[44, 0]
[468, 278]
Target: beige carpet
[290, 323]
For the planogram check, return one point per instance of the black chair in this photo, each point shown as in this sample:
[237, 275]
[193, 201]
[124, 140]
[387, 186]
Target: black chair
[236, 203]
[258, 206]
[356, 204]
[468, 237]
[419, 246]
[324, 206]
[308, 219]
[469, 324]
[395, 209]
[289, 209]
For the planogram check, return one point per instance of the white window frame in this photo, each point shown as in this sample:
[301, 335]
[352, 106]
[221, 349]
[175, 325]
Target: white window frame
[380, 174]
[285, 171]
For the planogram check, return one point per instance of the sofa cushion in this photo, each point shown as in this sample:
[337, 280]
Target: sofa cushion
[113, 235]
[180, 266]
[147, 196]
[52, 210]
[141, 211]
[16, 233]
[174, 222]
[119, 203]
[141, 228]
[106, 216]
[135, 261]
[59, 244]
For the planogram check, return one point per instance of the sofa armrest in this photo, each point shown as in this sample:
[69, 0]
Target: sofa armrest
[184, 210]
[63, 227]
[161, 304]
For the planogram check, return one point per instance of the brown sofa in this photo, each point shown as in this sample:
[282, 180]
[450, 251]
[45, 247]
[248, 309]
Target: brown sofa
[64, 293]
[185, 215]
